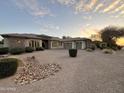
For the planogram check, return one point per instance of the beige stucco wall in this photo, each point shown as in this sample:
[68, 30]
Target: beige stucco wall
[57, 44]
[19, 42]
[14, 42]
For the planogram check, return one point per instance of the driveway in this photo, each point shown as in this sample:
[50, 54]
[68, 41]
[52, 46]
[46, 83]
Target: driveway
[89, 72]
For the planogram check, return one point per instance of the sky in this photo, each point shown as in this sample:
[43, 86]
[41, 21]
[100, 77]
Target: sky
[76, 18]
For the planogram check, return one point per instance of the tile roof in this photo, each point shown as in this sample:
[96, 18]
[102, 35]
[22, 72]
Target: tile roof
[43, 37]
[28, 36]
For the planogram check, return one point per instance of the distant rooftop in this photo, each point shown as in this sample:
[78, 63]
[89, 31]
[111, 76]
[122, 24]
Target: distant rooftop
[42, 36]
[73, 39]
[30, 36]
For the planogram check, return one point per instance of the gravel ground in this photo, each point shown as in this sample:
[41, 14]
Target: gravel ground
[89, 72]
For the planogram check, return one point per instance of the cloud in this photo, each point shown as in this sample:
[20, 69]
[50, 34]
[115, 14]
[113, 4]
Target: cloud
[88, 25]
[87, 17]
[86, 6]
[32, 7]
[91, 5]
[78, 5]
[50, 27]
[89, 31]
[115, 16]
[99, 6]
[118, 9]
[122, 13]
[81, 6]
[35, 8]
[65, 2]
[111, 6]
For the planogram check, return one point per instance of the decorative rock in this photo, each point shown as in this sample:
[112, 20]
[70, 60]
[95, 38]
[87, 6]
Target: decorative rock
[33, 71]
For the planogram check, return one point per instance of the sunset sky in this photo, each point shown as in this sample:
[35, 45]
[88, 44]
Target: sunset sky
[76, 18]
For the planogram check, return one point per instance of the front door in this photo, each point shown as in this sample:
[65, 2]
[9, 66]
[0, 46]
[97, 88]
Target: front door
[45, 44]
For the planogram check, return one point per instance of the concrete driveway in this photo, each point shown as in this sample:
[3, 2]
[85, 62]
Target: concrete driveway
[89, 72]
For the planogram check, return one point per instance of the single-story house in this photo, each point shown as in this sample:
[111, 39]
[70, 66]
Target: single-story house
[47, 42]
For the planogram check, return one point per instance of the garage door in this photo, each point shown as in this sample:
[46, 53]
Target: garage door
[79, 45]
[67, 45]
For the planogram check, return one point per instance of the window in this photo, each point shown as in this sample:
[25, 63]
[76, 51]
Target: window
[30, 45]
[60, 43]
[33, 43]
[38, 45]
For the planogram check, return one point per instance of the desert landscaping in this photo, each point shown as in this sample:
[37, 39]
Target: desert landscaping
[89, 72]
[62, 46]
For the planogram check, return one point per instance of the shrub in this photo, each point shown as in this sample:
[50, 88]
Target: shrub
[97, 43]
[39, 48]
[108, 51]
[103, 45]
[72, 52]
[92, 46]
[29, 49]
[115, 47]
[17, 50]
[120, 47]
[8, 67]
[89, 49]
[4, 50]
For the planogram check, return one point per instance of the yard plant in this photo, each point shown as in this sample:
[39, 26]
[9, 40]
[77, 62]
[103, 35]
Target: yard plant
[39, 48]
[29, 49]
[72, 52]
[17, 50]
[8, 67]
[4, 50]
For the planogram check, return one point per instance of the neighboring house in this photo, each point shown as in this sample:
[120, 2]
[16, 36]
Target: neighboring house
[47, 42]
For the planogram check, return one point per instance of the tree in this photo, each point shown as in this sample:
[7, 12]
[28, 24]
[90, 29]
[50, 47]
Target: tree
[110, 34]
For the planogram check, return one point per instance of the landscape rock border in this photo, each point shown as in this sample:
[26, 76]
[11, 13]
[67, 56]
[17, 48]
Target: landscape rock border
[33, 71]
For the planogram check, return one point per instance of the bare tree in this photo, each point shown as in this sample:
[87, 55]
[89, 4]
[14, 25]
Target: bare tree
[110, 34]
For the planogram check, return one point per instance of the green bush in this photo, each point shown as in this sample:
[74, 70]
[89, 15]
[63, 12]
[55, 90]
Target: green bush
[108, 51]
[17, 50]
[8, 67]
[115, 47]
[92, 46]
[29, 49]
[39, 48]
[4, 50]
[103, 45]
[89, 50]
[72, 52]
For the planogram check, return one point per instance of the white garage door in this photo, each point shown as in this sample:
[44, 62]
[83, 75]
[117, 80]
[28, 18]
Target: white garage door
[67, 45]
